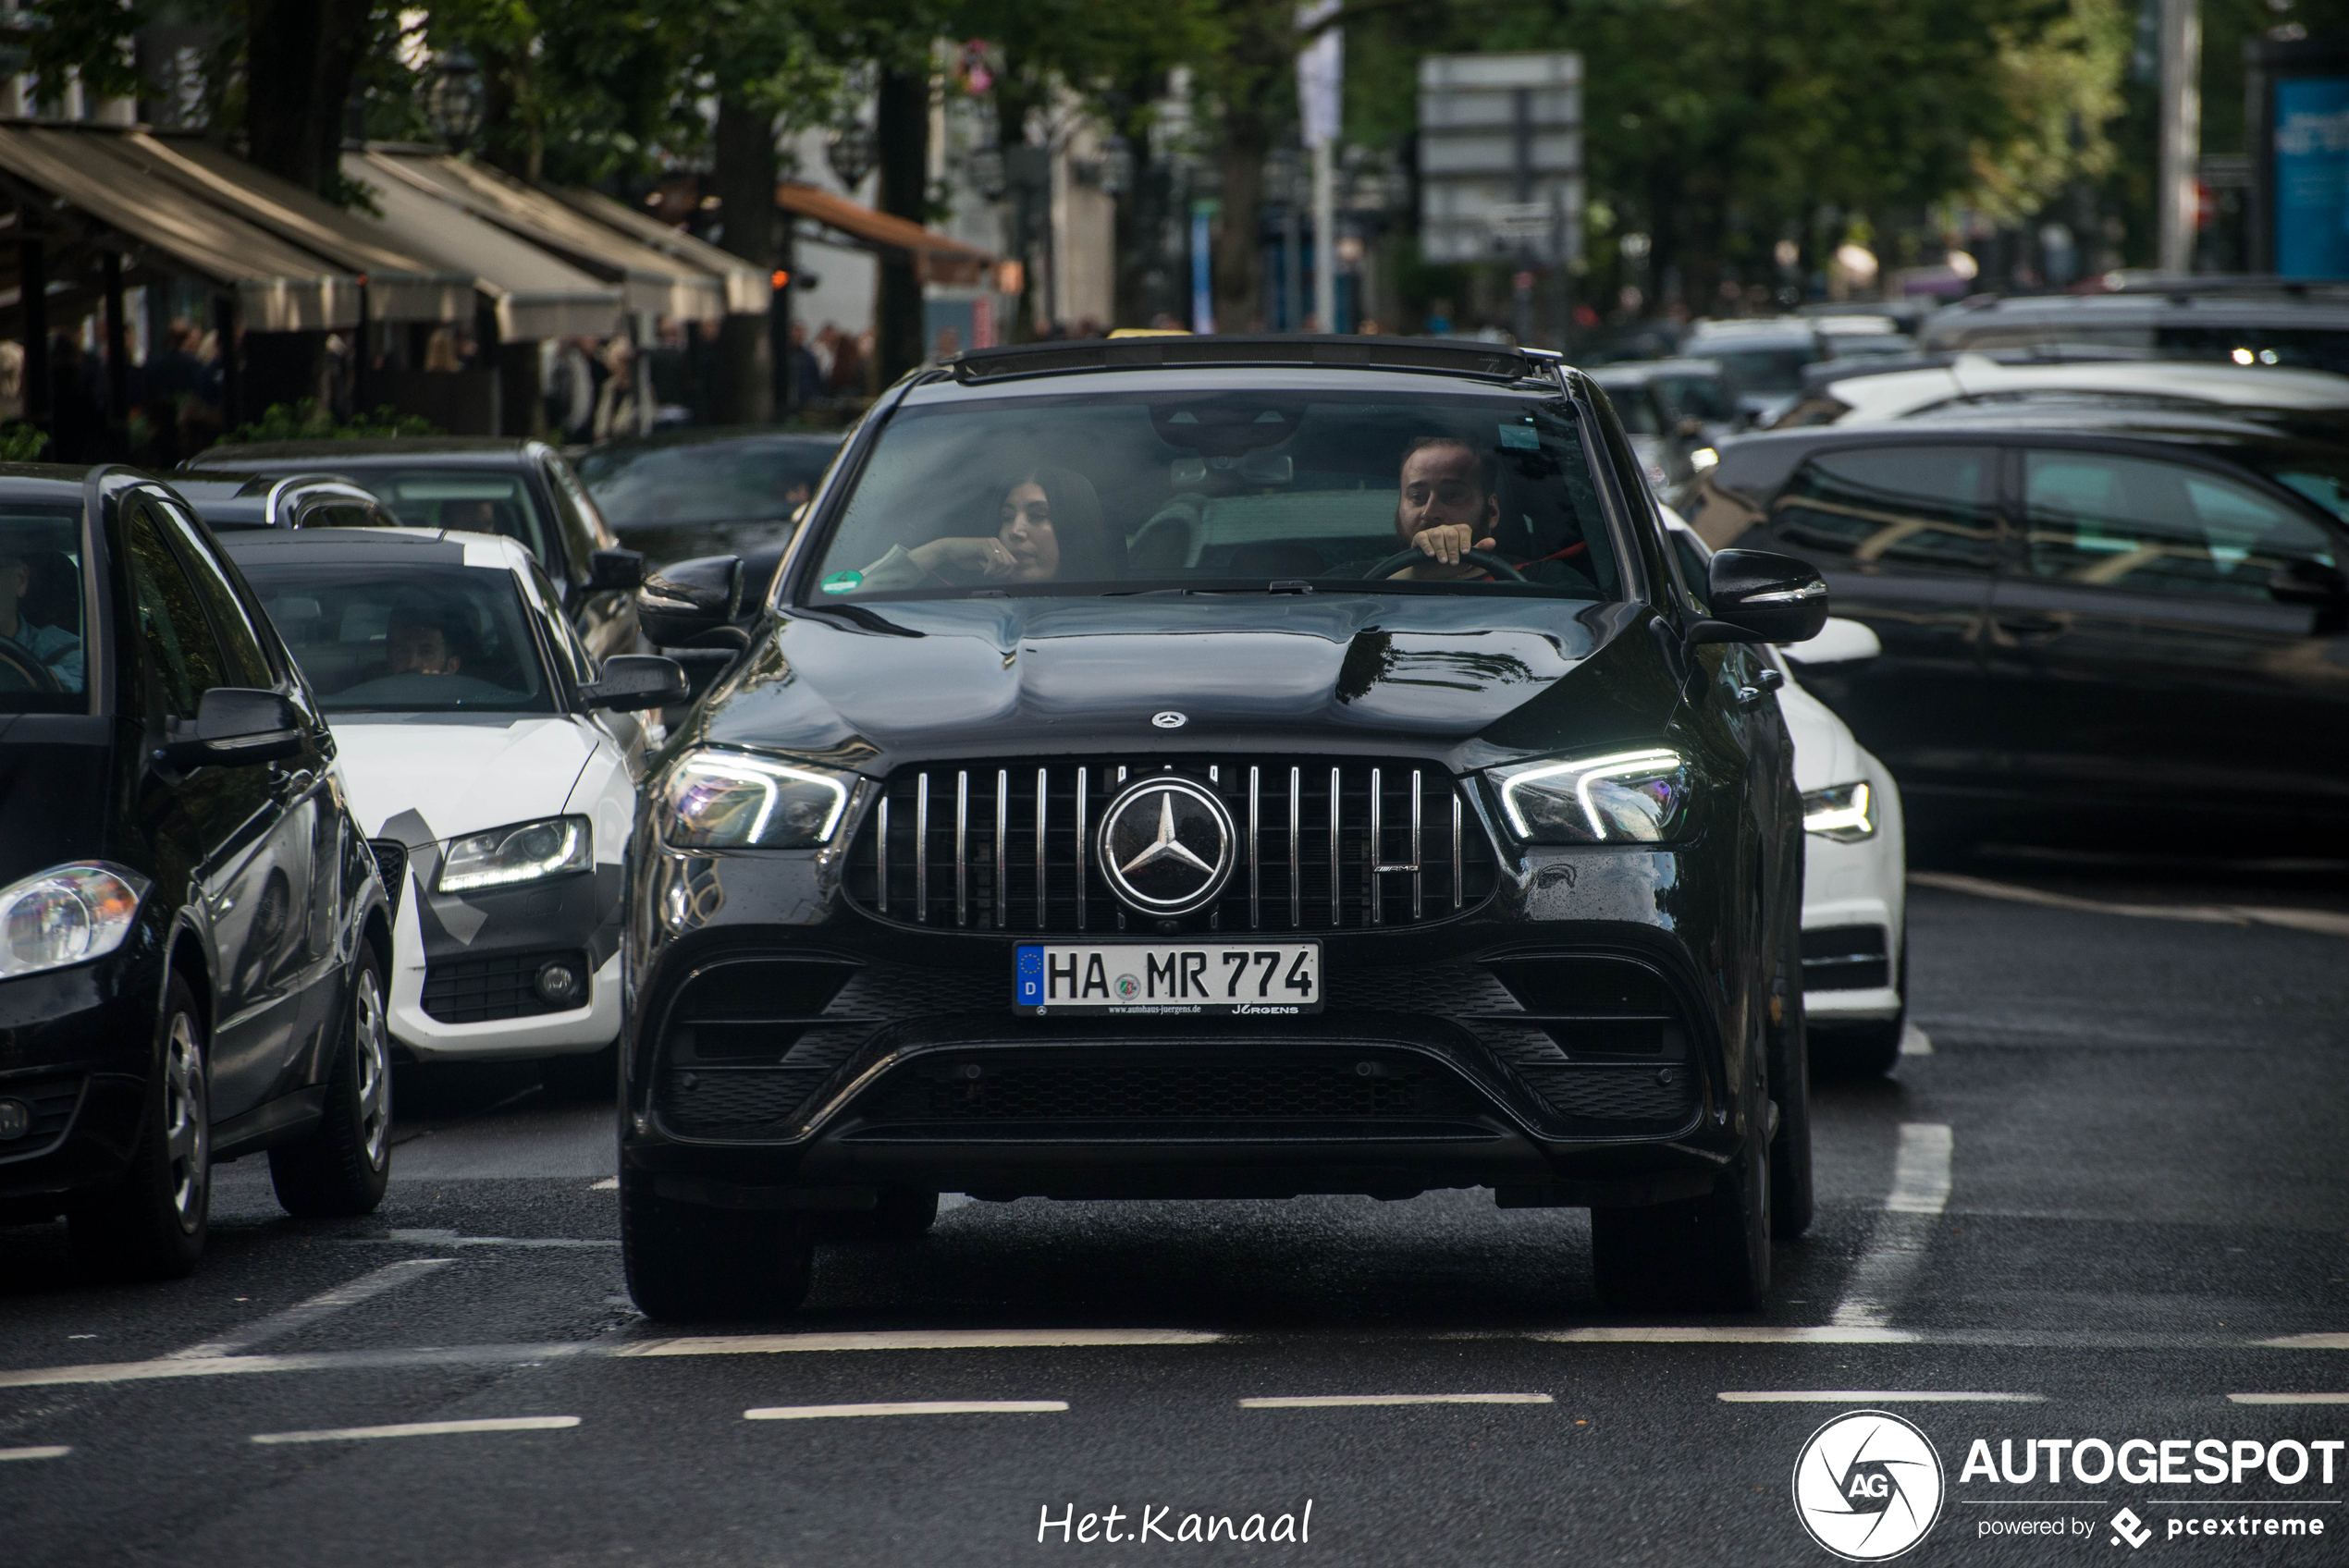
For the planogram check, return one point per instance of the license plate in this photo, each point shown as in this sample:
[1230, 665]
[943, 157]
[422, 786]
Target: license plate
[1082, 979]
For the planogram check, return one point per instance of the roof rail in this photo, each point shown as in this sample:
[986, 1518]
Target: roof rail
[1436, 356]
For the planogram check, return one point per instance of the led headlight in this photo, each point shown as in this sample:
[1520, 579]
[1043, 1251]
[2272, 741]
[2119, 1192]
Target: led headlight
[526, 851]
[65, 915]
[732, 799]
[1625, 797]
[1845, 814]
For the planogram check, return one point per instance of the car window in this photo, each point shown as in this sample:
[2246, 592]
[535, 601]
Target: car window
[1633, 406]
[584, 530]
[2148, 526]
[1913, 506]
[1689, 397]
[41, 609]
[181, 649]
[379, 636]
[1760, 370]
[471, 500]
[244, 662]
[568, 647]
[1190, 489]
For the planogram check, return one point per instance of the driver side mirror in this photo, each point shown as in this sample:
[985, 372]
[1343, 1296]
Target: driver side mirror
[687, 600]
[1761, 597]
[237, 725]
[637, 681]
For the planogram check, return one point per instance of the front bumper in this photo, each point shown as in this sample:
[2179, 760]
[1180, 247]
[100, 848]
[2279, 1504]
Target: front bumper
[77, 1045]
[573, 919]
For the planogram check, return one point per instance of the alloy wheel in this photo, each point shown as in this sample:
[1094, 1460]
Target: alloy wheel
[187, 1123]
[372, 1063]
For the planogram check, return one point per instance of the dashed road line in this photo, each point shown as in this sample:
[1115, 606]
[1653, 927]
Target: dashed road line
[1332, 1401]
[304, 1313]
[55, 1450]
[1730, 1334]
[917, 1339]
[2289, 1398]
[1896, 1250]
[422, 1429]
[909, 1407]
[608, 1184]
[452, 1239]
[1915, 1041]
[2306, 1342]
[1872, 1396]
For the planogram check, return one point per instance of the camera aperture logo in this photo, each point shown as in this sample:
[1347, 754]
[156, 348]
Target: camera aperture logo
[1867, 1485]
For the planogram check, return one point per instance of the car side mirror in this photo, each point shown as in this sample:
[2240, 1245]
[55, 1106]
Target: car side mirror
[1761, 597]
[237, 725]
[617, 572]
[1838, 642]
[2309, 583]
[637, 680]
[687, 600]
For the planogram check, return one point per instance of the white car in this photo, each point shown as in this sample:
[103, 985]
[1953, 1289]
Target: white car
[1855, 947]
[1977, 381]
[492, 769]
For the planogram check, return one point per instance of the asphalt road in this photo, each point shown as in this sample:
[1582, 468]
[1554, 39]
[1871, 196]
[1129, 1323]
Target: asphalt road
[2110, 1192]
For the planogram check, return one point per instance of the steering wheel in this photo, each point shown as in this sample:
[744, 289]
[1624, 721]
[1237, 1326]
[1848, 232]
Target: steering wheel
[1484, 559]
[21, 671]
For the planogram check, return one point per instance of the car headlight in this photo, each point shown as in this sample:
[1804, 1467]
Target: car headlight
[1845, 814]
[732, 799]
[1625, 797]
[66, 914]
[526, 851]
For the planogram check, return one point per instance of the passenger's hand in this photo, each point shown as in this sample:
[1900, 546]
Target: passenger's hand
[986, 558]
[1443, 544]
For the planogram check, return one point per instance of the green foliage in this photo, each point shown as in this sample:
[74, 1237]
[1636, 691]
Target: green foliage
[308, 420]
[22, 443]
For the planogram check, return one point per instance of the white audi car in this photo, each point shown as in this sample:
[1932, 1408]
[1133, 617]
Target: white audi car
[1855, 945]
[493, 767]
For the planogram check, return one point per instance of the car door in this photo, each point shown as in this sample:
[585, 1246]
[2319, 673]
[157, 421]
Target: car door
[2137, 656]
[272, 896]
[1907, 536]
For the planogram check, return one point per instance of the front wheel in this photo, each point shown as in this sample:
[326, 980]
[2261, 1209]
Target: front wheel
[689, 1263]
[154, 1224]
[341, 1168]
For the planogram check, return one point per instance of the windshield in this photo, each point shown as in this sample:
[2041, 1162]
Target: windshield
[381, 637]
[1231, 490]
[41, 611]
[469, 500]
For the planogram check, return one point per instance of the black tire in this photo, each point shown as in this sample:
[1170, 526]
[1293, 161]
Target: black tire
[687, 1263]
[1708, 1253]
[153, 1225]
[1869, 1049]
[341, 1168]
[902, 1214]
[592, 1078]
[1789, 1062]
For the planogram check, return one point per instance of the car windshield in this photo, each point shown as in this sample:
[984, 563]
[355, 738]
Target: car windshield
[41, 609]
[483, 500]
[1238, 491]
[381, 637]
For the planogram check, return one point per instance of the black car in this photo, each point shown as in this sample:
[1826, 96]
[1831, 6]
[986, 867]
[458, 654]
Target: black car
[2097, 626]
[237, 501]
[1116, 797]
[481, 485]
[192, 934]
[680, 494]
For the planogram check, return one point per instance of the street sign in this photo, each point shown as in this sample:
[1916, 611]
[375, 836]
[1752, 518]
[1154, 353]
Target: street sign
[1501, 158]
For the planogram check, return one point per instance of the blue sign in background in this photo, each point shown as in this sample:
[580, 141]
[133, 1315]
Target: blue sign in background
[2312, 177]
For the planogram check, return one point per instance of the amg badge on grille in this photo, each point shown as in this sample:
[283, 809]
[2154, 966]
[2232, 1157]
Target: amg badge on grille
[1166, 846]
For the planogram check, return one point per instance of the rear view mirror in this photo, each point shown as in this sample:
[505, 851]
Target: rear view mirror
[621, 571]
[1838, 642]
[236, 726]
[689, 599]
[637, 681]
[1760, 597]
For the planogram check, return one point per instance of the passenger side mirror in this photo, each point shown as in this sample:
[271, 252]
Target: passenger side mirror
[2309, 583]
[637, 681]
[236, 726]
[689, 599]
[620, 571]
[1838, 642]
[1761, 597]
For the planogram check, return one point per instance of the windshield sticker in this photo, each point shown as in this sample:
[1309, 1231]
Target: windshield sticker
[1522, 436]
[843, 582]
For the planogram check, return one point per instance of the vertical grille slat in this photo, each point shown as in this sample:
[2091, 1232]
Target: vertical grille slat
[1344, 849]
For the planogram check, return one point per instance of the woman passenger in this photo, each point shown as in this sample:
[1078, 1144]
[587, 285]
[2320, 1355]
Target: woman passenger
[1048, 528]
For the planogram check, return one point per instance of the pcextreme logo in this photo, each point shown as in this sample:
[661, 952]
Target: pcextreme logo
[1867, 1485]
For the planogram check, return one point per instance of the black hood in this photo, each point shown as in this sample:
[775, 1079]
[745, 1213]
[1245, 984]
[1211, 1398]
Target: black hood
[54, 788]
[1468, 678]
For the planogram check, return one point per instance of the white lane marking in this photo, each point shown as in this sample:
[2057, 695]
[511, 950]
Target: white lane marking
[917, 1339]
[908, 1407]
[2326, 923]
[1331, 1402]
[56, 1451]
[947, 1202]
[1915, 1041]
[2306, 1342]
[1753, 1334]
[422, 1429]
[304, 1313]
[608, 1184]
[2289, 1398]
[451, 1239]
[1872, 1396]
[1896, 1250]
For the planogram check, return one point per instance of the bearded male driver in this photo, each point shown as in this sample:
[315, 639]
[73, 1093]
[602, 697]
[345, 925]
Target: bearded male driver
[1445, 506]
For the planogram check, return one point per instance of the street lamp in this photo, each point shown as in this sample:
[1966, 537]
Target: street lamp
[456, 99]
[852, 151]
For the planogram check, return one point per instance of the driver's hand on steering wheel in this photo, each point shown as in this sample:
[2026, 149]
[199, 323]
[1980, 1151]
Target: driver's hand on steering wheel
[1443, 544]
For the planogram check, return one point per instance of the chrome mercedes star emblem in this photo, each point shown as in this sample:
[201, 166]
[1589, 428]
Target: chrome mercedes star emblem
[1166, 846]
[1170, 719]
